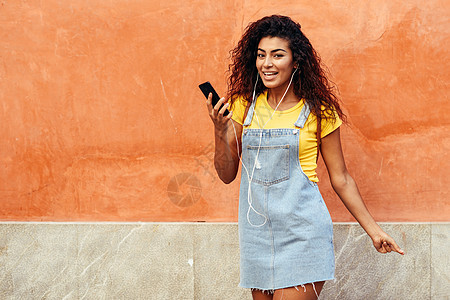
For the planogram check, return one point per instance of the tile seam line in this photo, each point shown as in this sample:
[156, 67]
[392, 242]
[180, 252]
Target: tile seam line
[200, 223]
[431, 261]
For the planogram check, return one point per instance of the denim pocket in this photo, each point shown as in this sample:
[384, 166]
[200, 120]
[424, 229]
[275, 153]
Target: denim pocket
[269, 164]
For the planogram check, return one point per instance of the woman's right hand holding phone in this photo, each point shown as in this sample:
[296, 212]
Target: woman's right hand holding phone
[226, 157]
[216, 113]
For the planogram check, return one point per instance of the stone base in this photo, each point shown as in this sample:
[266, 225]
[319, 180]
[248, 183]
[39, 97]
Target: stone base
[201, 261]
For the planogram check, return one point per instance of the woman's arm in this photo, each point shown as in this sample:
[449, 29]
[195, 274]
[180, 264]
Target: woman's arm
[347, 190]
[226, 132]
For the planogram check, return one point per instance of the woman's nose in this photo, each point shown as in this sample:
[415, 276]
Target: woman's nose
[268, 62]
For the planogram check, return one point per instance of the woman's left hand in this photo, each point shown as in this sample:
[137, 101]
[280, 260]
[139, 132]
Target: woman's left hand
[384, 243]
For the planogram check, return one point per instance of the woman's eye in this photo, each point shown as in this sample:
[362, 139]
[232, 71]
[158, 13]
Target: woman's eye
[260, 55]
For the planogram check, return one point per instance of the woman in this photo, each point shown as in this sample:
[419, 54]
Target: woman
[277, 93]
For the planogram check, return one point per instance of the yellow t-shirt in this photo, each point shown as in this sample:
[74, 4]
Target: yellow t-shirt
[286, 119]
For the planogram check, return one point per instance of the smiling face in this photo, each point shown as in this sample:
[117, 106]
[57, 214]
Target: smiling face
[274, 62]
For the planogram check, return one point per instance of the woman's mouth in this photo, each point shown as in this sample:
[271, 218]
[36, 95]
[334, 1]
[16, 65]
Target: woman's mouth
[269, 75]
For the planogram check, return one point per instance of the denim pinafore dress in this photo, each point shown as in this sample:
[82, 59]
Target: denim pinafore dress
[285, 229]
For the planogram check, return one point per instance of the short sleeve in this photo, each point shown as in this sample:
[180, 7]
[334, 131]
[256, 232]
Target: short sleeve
[328, 125]
[238, 109]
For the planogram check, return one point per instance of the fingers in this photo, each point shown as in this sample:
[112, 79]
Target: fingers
[208, 102]
[220, 111]
[387, 245]
[220, 114]
[223, 109]
[216, 113]
[394, 247]
[379, 247]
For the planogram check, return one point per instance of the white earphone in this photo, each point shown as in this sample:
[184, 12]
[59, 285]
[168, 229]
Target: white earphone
[250, 178]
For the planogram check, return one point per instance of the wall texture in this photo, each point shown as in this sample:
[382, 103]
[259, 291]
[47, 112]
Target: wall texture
[102, 119]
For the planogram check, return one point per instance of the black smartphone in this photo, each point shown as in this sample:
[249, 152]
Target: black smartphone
[207, 88]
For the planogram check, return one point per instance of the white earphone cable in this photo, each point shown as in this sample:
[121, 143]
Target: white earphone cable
[250, 178]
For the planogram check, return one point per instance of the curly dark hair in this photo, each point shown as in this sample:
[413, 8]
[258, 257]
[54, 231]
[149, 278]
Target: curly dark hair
[310, 83]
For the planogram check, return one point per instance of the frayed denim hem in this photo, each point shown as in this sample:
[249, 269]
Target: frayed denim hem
[271, 292]
[268, 292]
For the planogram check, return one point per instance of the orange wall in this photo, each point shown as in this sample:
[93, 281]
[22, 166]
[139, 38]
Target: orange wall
[101, 117]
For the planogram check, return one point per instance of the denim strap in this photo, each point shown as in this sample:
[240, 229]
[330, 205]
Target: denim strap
[250, 112]
[303, 116]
